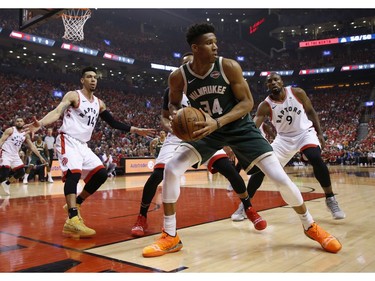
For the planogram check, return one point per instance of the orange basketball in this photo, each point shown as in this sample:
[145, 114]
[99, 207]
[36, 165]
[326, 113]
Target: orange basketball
[183, 122]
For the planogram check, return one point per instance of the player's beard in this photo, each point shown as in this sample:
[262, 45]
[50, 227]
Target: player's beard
[276, 90]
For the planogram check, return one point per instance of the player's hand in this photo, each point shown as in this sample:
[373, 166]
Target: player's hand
[32, 127]
[144, 132]
[208, 126]
[43, 160]
[322, 141]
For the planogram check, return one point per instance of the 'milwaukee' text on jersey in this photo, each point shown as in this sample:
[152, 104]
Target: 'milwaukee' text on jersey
[206, 90]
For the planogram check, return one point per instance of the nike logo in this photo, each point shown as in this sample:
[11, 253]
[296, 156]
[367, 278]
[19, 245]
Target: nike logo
[191, 81]
[84, 101]
[273, 107]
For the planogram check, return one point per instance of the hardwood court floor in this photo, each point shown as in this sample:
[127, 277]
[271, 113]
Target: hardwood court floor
[31, 220]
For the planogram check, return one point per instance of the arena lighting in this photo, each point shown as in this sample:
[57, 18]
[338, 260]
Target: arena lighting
[330, 41]
[79, 49]
[280, 72]
[32, 38]
[163, 67]
[248, 73]
[118, 58]
[316, 70]
[253, 28]
[358, 67]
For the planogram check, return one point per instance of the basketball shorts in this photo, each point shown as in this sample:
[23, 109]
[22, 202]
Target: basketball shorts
[167, 150]
[76, 156]
[286, 147]
[12, 161]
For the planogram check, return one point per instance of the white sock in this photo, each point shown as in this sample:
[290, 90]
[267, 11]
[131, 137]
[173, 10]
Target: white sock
[170, 224]
[306, 219]
[26, 176]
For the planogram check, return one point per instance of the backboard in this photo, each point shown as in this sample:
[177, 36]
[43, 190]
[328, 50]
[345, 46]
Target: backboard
[30, 18]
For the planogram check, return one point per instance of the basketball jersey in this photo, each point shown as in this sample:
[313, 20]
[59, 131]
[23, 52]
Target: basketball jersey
[40, 147]
[80, 122]
[211, 92]
[13, 143]
[288, 116]
[158, 146]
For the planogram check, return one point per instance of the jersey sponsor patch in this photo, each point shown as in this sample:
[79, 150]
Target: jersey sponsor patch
[215, 74]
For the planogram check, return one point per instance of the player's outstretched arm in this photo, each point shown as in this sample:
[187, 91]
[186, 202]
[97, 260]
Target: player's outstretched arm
[52, 116]
[108, 118]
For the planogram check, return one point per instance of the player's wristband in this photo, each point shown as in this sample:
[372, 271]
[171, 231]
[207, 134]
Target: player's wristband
[218, 123]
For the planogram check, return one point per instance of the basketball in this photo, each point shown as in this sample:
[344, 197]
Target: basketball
[183, 122]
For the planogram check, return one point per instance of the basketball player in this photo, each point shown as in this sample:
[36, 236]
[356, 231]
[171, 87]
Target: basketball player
[81, 109]
[10, 160]
[219, 162]
[216, 86]
[43, 150]
[298, 130]
[49, 139]
[157, 143]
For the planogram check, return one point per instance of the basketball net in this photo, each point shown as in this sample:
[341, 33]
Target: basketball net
[74, 20]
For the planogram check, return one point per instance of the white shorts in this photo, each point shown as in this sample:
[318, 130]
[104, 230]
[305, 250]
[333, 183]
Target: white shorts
[77, 157]
[286, 147]
[12, 161]
[167, 150]
[169, 147]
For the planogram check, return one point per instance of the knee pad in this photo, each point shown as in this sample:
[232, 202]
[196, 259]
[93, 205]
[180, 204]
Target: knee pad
[4, 173]
[19, 173]
[182, 159]
[71, 181]
[96, 181]
[272, 168]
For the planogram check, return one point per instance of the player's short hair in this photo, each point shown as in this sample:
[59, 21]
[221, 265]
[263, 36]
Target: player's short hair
[197, 30]
[87, 69]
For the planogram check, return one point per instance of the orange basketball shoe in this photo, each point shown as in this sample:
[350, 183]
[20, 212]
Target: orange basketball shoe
[257, 220]
[326, 240]
[165, 244]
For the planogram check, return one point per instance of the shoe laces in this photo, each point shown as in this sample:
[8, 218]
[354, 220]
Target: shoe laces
[333, 205]
[164, 241]
[78, 224]
[319, 232]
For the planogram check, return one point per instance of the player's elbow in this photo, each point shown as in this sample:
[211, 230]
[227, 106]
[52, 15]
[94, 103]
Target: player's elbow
[247, 106]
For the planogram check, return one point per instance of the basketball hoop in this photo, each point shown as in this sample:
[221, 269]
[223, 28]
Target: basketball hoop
[74, 20]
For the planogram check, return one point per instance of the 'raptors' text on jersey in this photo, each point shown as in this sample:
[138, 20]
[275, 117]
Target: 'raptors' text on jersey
[79, 122]
[288, 116]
